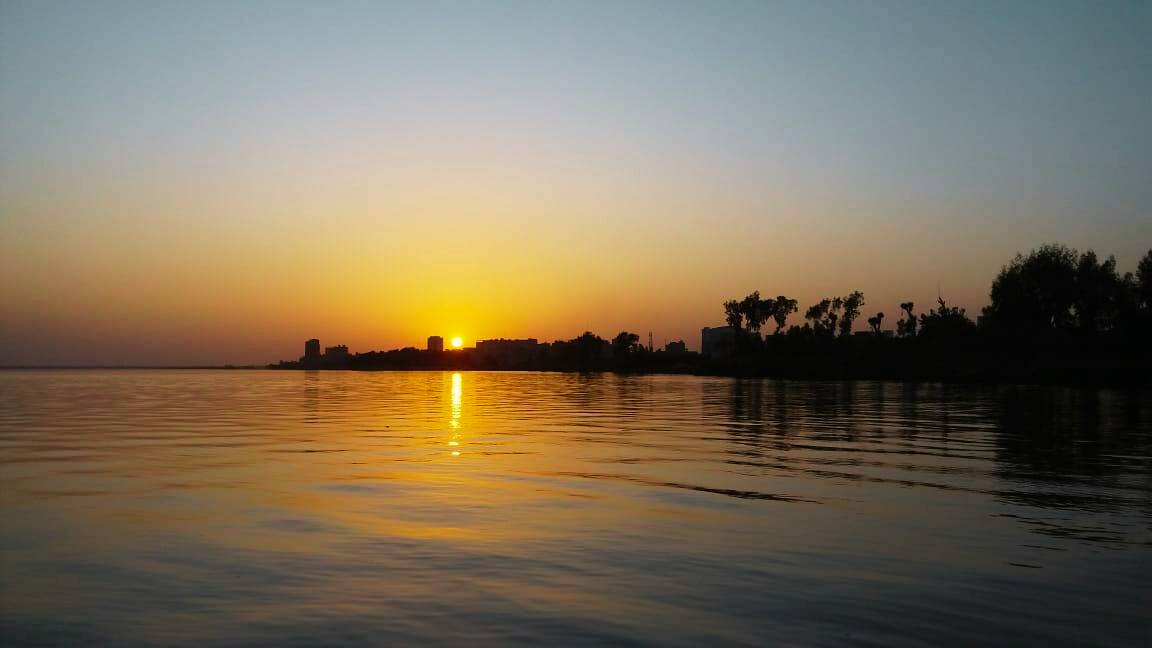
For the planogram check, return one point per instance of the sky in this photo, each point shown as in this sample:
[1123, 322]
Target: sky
[215, 182]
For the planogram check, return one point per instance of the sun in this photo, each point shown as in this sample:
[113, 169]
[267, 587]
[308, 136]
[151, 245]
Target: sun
[457, 343]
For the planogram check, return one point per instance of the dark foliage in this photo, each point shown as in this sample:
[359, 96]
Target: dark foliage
[1054, 314]
[946, 322]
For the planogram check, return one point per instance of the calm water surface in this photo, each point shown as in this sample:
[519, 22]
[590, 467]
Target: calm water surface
[216, 507]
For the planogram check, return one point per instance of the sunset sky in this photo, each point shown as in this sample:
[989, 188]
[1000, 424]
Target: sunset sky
[212, 182]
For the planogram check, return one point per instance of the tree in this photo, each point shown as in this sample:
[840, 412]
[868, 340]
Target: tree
[824, 315]
[1099, 294]
[783, 307]
[875, 321]
[946, 323]
[818, 314]
[752, 309]
[1144, 282]
[1134, 301]
[766, 309]
[589, 348]
[906, 327]
[1034, 293]
[852, 304]
[625, 344]
[733, 313]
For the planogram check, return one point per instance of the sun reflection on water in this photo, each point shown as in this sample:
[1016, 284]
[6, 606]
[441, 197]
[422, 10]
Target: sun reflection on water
[454, 422]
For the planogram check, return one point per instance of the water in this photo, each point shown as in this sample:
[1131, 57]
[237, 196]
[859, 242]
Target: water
[248, 507]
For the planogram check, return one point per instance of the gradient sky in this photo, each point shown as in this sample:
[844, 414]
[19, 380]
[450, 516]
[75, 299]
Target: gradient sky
[210, 182]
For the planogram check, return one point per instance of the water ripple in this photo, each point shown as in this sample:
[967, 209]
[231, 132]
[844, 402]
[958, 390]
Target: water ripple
[253, 507]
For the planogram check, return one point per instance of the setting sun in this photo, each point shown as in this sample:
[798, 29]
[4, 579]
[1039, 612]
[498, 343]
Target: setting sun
[457, 343]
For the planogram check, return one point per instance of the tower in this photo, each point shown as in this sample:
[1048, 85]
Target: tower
[312, 357]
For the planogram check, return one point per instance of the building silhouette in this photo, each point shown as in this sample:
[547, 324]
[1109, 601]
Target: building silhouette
[435, 343]
[717, 341]
[503, 353]
[312, 357]
[336, 357]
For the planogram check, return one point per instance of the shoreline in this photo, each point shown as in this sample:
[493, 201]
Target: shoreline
[1117, 378]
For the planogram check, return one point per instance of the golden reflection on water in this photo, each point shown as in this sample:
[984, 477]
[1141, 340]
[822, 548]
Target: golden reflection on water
[454, 423]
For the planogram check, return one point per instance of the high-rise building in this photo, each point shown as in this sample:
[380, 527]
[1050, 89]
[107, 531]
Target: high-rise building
[435, 343]
[311, 359]
[717, 341]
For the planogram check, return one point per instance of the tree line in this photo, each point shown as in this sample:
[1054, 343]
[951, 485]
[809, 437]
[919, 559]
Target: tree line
[1053, 292]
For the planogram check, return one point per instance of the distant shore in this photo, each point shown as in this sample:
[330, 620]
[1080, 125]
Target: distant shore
[1130, 375]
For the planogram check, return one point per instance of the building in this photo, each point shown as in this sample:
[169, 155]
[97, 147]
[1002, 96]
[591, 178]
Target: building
[676, 348]
[311, 359]
[336, 357]
[717, 341]
[435, 343]
[508, 354]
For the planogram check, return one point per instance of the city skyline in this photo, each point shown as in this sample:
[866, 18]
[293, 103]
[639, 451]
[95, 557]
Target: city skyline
[208, 184]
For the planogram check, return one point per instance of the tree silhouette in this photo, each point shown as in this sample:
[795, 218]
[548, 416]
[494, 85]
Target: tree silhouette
[766, 309]
[753, 311]
[1076, 298]
[906, 327]
[852, 304]
[589, 347]
[875, 322]
[733, 313]
[625, 344]
[1099, 294]
[818, 314]
[1144, 282]
[749, 315]
[1034, 293]
[946, 323]
[782, 308]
